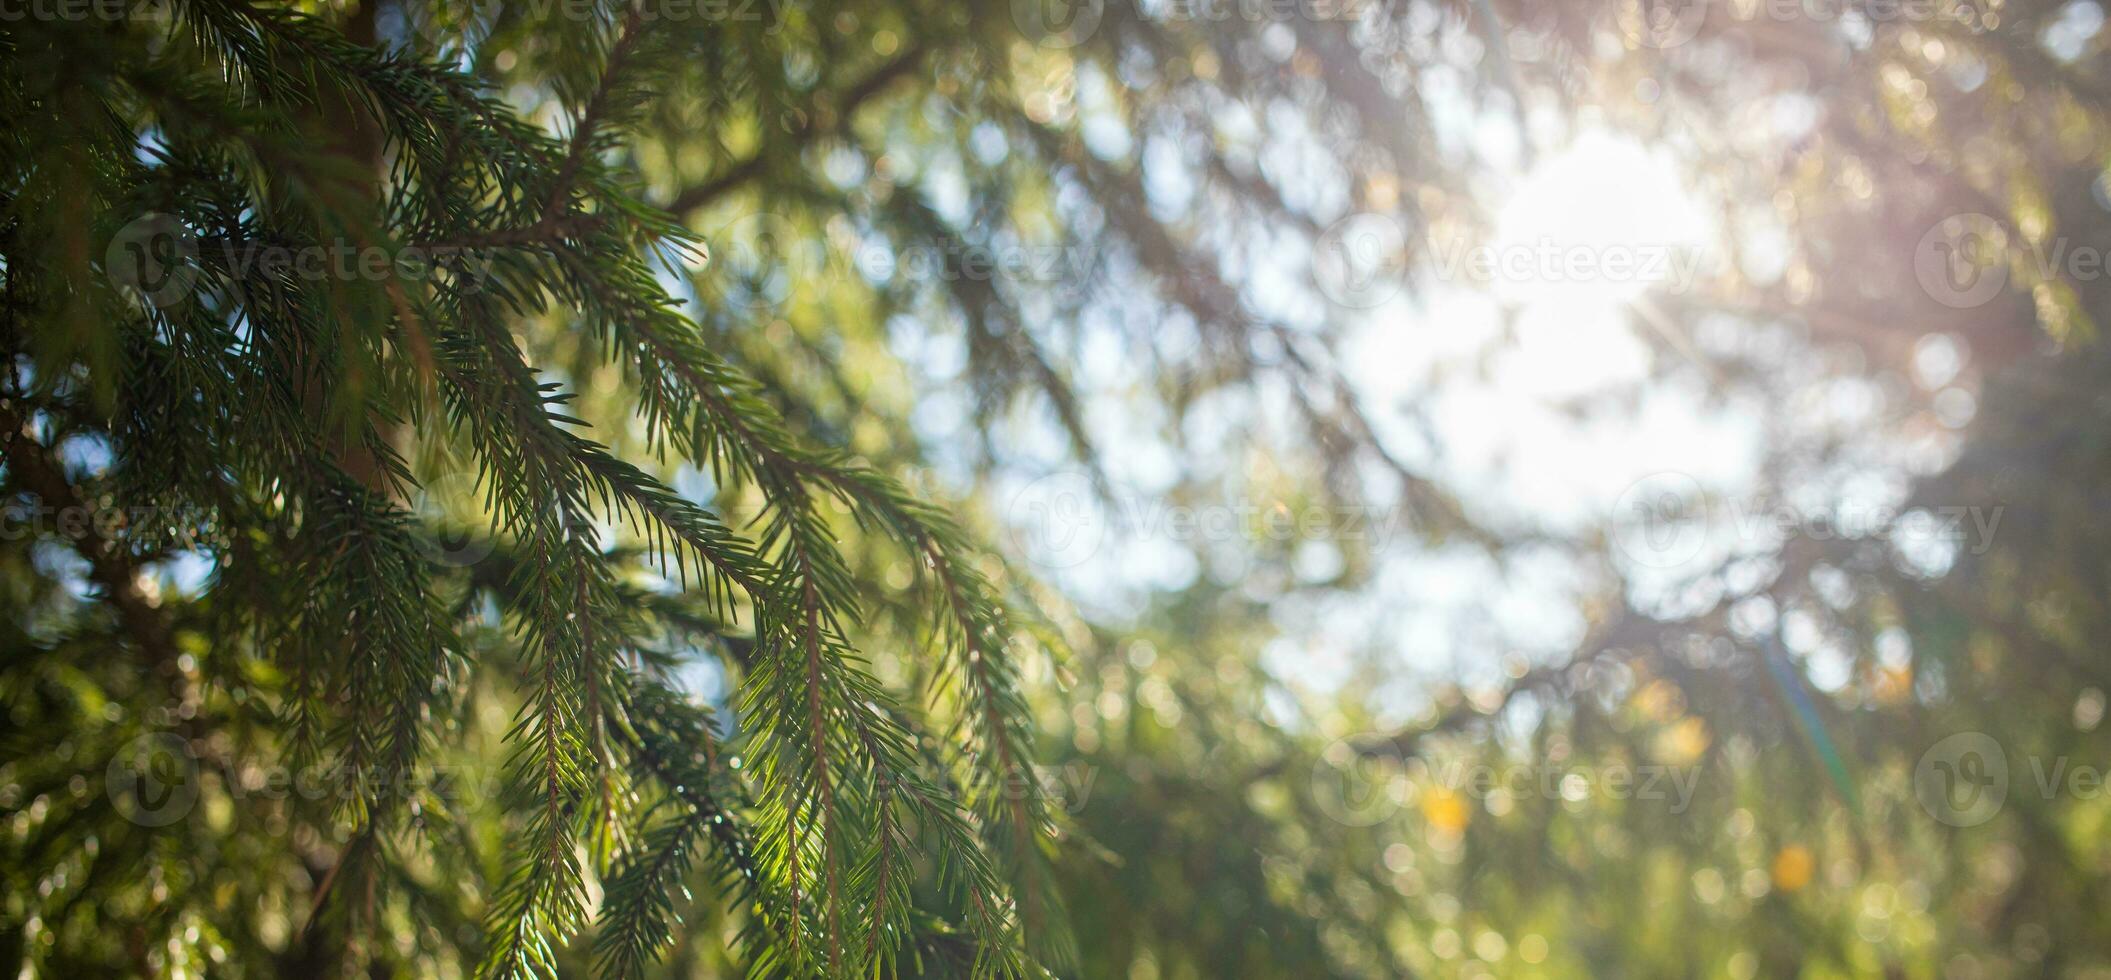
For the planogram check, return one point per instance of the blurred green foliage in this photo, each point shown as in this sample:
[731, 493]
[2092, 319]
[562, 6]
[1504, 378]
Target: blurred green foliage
[970, 248]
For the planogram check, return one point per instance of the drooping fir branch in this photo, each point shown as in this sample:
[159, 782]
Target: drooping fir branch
[798, 697]
[973, 623]
[554, 759]
[287, 379]
[567, 624]
[810, 581]
[395, 642]
[638, 911]
[675, 741]
[507, 414]
[713, 414]
[913, 784]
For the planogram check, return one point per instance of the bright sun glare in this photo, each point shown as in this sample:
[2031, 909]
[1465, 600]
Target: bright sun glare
[1544, 312]
[1586, 232]
[1602, 218]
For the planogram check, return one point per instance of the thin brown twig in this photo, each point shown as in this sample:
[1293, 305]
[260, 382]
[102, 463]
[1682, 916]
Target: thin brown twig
[591, 116]
[837, 120]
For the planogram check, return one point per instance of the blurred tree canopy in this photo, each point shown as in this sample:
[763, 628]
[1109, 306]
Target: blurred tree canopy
[565, 488]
